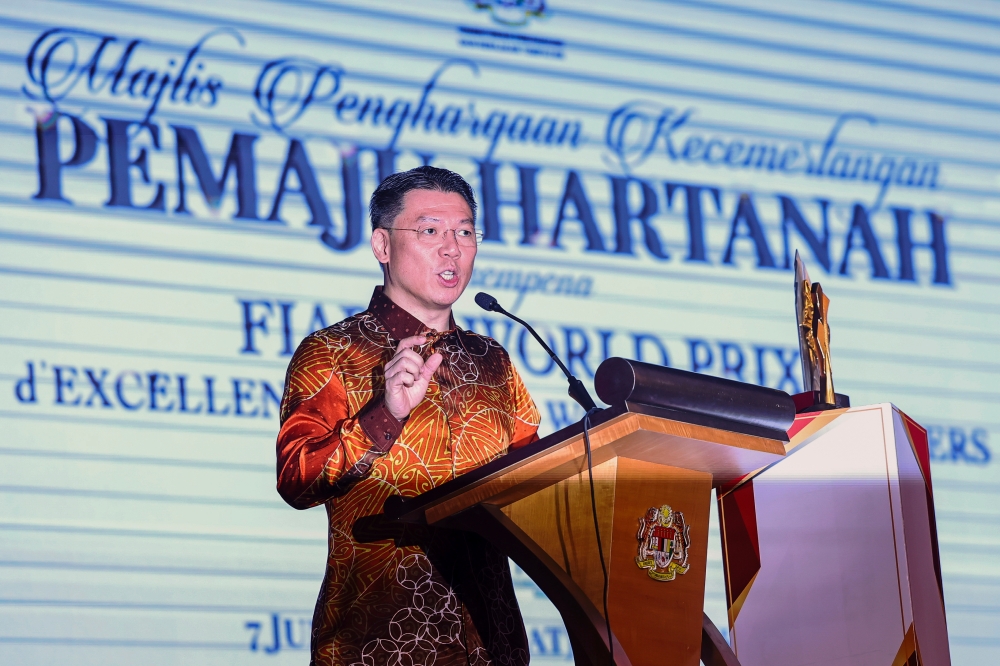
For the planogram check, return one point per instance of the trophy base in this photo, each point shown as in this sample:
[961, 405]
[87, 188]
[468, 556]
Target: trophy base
[811, 401]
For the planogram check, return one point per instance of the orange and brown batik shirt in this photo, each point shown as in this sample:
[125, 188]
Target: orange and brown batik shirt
[394, 596]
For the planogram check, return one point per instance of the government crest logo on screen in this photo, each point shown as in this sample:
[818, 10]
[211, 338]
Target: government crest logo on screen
[512, 12]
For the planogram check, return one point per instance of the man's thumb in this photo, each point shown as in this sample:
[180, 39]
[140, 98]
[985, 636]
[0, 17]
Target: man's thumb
[431, 365]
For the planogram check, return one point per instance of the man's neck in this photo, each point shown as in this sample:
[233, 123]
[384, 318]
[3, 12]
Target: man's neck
[434, 318]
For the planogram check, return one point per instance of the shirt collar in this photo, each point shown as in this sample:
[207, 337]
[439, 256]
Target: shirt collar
[400, 323]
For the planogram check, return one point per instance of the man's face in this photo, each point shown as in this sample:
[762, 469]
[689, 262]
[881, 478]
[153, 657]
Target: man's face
[431, 266]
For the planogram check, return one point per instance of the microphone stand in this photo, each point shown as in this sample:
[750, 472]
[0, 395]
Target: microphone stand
[577, 390]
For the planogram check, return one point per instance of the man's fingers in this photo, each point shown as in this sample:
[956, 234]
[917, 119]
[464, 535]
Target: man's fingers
[400, 378]
[407, 374]
[407, 354]
[410, 342]
[404, 363]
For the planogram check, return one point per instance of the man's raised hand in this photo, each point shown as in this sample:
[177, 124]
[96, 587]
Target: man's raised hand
[407, 376]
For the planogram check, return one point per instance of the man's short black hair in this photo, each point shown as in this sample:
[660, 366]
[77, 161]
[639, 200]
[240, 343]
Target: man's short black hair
[387, 199]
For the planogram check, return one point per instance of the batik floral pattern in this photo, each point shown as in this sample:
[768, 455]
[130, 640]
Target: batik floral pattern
[389, 596]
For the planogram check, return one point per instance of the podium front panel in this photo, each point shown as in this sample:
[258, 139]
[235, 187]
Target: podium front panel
[656, 611]
[654, 533]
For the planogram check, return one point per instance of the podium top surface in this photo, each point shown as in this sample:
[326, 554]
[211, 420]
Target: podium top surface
[627, 430]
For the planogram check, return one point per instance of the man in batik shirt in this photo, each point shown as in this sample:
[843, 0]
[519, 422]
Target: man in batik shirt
[395, 401]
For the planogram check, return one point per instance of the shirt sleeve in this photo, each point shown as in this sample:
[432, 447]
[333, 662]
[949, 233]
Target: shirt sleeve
[526, 416]
[323, 449]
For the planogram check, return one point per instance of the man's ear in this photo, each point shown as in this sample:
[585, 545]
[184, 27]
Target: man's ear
[380, 245]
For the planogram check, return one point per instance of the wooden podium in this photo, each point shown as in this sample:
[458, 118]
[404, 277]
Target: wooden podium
[668, 438]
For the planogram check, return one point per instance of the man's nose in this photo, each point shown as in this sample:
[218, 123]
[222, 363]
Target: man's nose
[449, 243]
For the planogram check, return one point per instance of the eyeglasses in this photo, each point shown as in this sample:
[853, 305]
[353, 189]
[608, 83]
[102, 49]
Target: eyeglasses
[434, 236]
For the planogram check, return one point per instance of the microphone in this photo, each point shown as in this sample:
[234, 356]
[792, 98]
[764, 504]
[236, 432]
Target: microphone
[577, 390]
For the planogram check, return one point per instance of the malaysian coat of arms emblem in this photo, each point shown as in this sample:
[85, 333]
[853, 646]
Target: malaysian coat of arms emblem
[664, 540]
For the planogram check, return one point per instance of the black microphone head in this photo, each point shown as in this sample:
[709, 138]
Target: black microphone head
[487, 302]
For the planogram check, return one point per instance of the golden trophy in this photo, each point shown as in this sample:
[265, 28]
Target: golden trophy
[811, 310]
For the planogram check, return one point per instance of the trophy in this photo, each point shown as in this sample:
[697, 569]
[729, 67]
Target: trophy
[811, 311]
